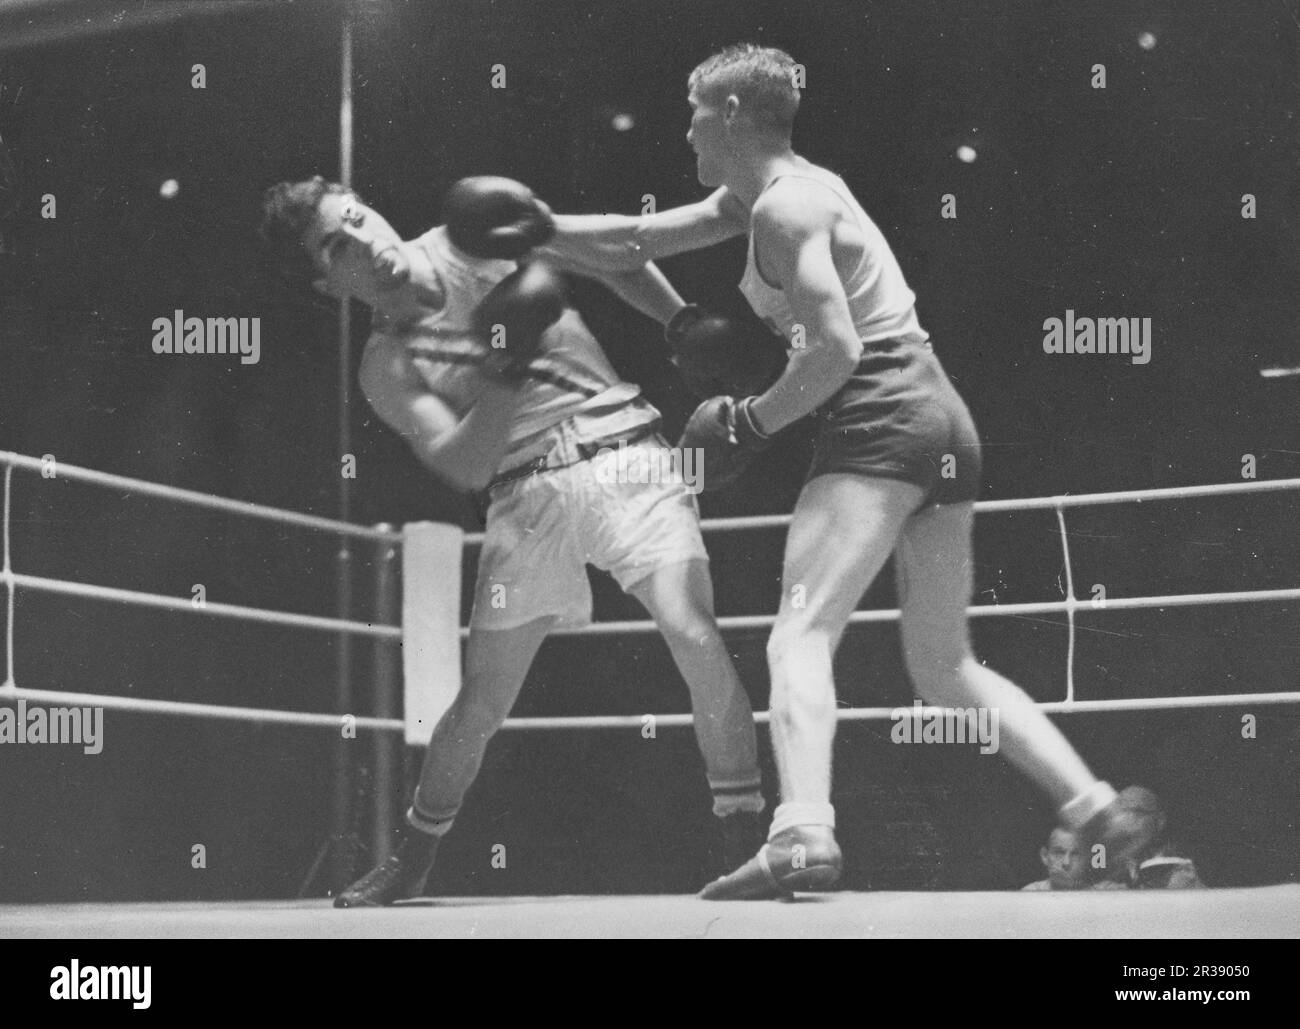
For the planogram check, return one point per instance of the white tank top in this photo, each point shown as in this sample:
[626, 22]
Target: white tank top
[882, 305]
[569, 380]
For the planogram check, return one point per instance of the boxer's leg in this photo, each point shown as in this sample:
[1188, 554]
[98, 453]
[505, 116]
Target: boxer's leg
[843, 530]
[529, 577]
[935, 583]
[496, 663]
[679, 598]
[646, 531]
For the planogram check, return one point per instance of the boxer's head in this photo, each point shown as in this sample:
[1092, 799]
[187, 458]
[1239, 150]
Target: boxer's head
[320, 231]
[742, 97]
[1065, 861]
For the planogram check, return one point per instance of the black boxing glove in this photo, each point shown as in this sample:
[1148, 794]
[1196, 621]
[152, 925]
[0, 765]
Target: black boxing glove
[724, 431]
[716, 354]
[493, 217]
[512, 318]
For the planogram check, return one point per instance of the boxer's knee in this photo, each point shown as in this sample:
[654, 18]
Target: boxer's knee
[801, 704]
[796, 640]
[689, 626]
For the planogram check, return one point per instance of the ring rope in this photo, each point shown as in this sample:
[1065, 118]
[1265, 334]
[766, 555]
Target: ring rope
[1068, 606]
[738, 622]
[197, 499]
[747, 522]
[158, 600]
[315, 720]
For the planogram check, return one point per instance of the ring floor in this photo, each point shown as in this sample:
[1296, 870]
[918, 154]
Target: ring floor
[1262, 912]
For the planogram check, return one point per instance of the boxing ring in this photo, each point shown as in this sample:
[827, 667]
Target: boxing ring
[1266, 911]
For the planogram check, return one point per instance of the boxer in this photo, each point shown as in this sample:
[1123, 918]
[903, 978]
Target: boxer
[529, 423]
[895, 471]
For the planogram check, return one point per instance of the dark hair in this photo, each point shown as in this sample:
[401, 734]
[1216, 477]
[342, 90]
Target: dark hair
[762, 77]
[288, 208]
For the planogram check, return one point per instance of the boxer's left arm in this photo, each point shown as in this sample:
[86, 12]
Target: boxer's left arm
[603, 242]
[792, 233]
[462, 451]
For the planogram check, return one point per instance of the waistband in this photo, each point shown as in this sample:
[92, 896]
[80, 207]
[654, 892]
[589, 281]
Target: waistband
[870, 364]
[574, 453]
[892, 343]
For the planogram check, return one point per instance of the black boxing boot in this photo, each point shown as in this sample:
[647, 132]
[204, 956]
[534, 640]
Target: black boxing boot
[400, 877]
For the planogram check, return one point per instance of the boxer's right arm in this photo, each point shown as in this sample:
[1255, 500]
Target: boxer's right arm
[646, 288]
[616, 242]
[464, 452]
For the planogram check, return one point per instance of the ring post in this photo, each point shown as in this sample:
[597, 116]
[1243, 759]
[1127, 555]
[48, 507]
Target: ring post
[341, 870]
[388, 783]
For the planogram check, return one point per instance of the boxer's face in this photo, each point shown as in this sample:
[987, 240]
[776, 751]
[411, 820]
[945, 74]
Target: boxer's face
[355, 250]
[708, 136]
[1064, 861]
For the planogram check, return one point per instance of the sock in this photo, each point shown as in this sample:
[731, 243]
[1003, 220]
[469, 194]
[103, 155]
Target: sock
[429, 824]
[787, 816]
[1083, 808]
[731, 797]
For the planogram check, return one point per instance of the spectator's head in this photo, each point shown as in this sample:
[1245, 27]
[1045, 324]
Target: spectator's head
[1145, 815]
[1065, 861]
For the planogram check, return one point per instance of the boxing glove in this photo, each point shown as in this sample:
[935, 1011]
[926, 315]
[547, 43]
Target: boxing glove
[724, 432]
[512, 318]
[716, 354]
[493, 217]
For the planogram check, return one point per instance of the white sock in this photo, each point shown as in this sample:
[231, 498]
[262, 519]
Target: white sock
[787, 816]
[725, 804]
[425, 824]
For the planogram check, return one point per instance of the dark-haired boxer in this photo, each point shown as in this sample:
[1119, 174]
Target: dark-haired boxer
[531, 423]
[895, 470]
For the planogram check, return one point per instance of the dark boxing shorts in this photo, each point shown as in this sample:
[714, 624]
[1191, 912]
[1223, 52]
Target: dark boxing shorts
[898, 417]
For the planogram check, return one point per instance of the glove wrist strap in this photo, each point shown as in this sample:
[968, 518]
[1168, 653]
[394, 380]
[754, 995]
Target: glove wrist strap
[746, 421]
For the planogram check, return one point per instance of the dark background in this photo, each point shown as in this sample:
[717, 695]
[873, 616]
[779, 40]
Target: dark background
[1122, 202]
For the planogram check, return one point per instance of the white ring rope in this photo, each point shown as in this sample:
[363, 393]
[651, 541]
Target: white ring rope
[270, 716]
[974, 611]
[196, 499]
[251, 614]
[1068, 606]
[749, 522]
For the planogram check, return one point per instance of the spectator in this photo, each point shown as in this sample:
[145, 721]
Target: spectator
[1163, 865]
[1065, 861]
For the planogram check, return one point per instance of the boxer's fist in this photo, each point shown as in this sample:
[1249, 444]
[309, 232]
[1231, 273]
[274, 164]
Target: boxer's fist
[724, 431]
[513, 317]
[717, 354]
[493, 217]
